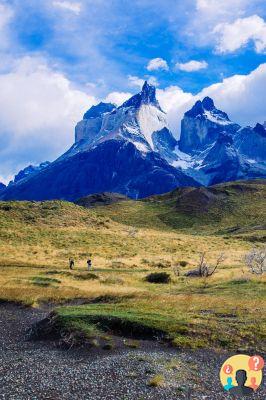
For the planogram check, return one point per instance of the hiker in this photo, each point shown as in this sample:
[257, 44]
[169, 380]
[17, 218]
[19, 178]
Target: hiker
[89, 264]
[71, 263]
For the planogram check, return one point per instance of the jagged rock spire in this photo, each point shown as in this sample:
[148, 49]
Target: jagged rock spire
[146, 96]
[208, 103]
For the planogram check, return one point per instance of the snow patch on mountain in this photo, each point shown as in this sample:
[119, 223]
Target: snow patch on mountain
[150, 119]
[216, 118]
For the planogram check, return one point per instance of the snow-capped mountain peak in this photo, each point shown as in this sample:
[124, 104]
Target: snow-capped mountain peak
[130, 149]
[206, 109]
[202, 125]
[136, 121]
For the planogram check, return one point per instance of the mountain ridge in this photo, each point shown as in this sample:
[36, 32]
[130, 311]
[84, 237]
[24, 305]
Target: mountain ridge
[130, 150]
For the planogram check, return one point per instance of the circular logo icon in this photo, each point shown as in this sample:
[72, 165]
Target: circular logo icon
[241, 374]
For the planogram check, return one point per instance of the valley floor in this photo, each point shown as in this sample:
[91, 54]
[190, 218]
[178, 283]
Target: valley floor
[203, 319]
[38, 370]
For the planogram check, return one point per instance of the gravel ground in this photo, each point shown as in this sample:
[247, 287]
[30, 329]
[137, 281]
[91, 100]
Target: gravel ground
[39, 370]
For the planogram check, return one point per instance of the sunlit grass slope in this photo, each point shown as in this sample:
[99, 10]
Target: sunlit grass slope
[127, 241]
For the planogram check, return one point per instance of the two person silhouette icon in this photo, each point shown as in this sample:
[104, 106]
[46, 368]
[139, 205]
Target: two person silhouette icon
[241, 389]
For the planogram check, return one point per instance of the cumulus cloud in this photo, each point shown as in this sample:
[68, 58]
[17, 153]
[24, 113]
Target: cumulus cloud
[38, 111]
[68, 5]
[157, 64]
[192, 66]
[152, 80]
[117, 98]
[208, 14]
[135, 81]
[239, 33]
[243, 97]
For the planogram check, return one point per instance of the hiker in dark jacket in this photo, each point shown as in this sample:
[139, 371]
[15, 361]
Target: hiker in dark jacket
[89, 264]
[71, 263]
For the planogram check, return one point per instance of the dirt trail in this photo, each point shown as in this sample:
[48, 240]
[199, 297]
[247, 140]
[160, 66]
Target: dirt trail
[37, 371]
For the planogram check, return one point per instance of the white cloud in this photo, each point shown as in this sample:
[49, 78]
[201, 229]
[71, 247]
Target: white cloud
[243, 97]
[38, 111]
[157, 64]
[172, 97]
[192, 66]
[68, 5]
[208, 14]
[239, 33]
[217, 8]
[135, 81]
[152, 80]
[117, 98]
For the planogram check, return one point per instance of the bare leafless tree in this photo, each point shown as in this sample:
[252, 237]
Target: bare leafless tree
[204, 269]
[256, 261]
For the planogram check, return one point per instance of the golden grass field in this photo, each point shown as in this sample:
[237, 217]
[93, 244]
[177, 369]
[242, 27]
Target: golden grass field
[128, 241]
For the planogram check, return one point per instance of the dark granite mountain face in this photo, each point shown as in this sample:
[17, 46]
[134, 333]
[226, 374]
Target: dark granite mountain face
[2, 187]
[165, 144]
[29, 171]
[113, 166]
[222, 162]
[202, 125]
[219, 150]
[251, 142]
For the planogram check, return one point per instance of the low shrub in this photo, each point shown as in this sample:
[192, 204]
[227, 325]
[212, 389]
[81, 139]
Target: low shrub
[158, 277]
[108, 346]
[183, 263]
[157, 381]
[86, 276]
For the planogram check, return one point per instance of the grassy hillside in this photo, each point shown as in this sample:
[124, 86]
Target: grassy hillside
[234, 208]
[127, 241]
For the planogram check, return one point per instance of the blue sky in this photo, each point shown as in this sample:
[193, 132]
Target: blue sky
[58, 57]
[104, 41]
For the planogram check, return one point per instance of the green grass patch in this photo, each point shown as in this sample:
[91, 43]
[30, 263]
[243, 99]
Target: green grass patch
[193, 330]
[43, 281]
